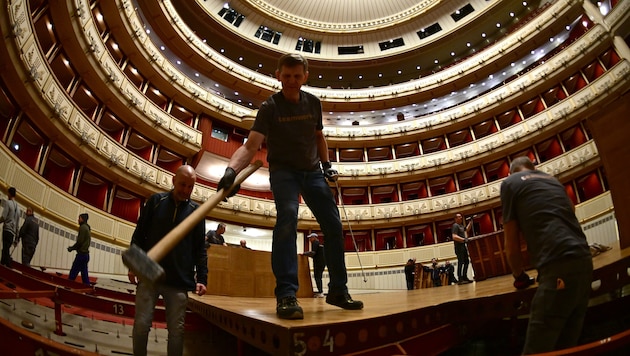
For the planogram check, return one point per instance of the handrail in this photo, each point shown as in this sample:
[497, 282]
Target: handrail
[598, 347]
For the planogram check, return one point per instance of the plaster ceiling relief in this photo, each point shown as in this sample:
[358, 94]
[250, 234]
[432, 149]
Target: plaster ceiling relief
[342, 16]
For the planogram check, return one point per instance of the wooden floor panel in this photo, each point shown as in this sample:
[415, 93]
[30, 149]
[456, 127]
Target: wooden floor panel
[388, 318]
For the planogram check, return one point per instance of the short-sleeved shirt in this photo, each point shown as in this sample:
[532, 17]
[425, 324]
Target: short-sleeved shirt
[459, 230]
[291, 131]
[214, 238]
[540, 205]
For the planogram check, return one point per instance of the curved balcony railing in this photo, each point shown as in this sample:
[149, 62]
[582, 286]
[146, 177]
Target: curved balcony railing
[485, 58]
[64, 111]
[58, 211]
[85, 129]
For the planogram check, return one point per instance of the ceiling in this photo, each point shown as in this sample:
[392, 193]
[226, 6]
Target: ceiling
[408, 63]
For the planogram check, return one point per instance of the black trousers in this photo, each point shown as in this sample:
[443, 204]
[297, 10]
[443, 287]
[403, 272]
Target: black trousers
[7, 240]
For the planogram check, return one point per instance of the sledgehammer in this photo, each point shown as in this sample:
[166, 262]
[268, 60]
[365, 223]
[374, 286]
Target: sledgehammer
[145, 265]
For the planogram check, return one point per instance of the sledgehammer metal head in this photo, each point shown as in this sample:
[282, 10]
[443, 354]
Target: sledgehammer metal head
[146, 269]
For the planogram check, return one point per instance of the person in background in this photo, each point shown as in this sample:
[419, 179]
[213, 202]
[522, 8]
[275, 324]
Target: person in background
[536, 207]
[244, 244]
[29, 233]
[297, 152]
[11, 219]
[450, 272]
[82, 246]
[435, 272]
[410, 272]
[185, 266]
[319, 262]
[461, 251]
[215, 237]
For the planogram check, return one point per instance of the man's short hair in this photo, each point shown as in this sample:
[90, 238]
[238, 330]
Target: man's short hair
[291, 60]
[12, 191]
[520, 163]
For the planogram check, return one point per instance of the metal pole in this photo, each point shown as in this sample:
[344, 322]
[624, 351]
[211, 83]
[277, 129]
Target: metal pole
[354, 242]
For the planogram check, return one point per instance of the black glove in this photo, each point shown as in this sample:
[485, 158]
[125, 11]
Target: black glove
[226, 182]
[70, 248]
[330, 173]
[523, 281]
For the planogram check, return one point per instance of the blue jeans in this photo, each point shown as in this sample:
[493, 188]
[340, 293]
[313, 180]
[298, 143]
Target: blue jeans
[175, 302]
[287, 185]
[80, 264]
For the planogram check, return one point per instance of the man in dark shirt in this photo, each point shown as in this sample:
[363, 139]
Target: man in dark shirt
[185, 266]
[536, 206]
[436, 272]
[82, 246]
[319, 262]
[410, 272]
[29, 234]
[215, 237]
[460, 238]
[297, 152]
[450, 272]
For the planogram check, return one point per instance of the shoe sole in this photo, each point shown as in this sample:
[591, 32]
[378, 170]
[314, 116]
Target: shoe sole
[294, 316]
[347, 307]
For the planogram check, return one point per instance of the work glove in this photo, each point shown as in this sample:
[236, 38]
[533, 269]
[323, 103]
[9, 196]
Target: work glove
[330, 173]
[226, 182]
[70, 248]
[523, 281]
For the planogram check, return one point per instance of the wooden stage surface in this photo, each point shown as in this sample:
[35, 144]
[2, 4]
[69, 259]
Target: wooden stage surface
[392, 322]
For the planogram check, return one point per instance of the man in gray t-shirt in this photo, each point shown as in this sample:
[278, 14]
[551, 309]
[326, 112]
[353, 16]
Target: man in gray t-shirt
[291, 123]
[11, 219]
[536, 205]
[458, 234]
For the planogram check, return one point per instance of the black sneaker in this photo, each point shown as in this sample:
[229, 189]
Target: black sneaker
[344, 301]
[288, 308]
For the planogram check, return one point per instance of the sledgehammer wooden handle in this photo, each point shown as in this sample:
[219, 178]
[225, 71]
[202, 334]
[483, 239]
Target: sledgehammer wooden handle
[168, 242]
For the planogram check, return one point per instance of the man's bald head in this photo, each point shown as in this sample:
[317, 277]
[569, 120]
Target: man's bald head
[184, 182]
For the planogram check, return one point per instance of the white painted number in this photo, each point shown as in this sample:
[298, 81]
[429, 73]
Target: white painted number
[329, 341]
[299, 345]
